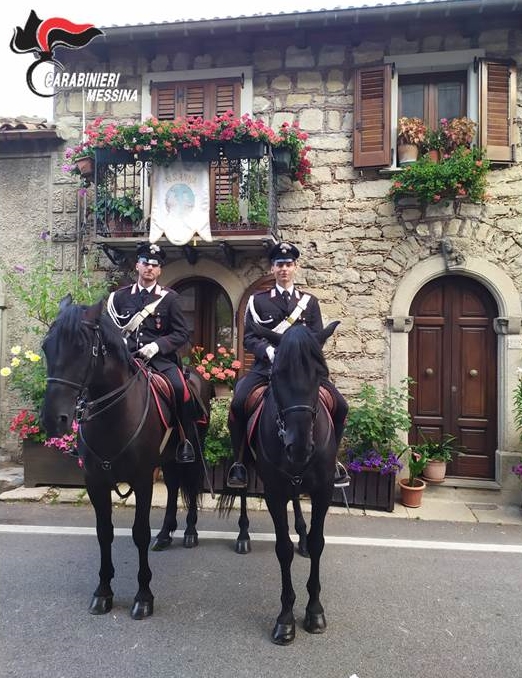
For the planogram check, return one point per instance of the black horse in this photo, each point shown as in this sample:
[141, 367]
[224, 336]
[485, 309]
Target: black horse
[295, 453]
[93, 378]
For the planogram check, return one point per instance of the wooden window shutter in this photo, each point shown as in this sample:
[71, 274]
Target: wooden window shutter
[497, 111]
[372, 127]
[199, 98]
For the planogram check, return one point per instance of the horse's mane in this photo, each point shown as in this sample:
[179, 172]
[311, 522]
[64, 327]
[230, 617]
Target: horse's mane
[68, 327]
[299, 353]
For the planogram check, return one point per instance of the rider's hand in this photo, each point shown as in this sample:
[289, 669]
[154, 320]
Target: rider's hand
[149, 350]
[270, 351]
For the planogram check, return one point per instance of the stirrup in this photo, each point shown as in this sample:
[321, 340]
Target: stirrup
[185, 453]
[341, 477]
[237, 476]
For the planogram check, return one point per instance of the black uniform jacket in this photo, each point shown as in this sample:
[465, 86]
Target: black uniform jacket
[166, 325]
[270, 307]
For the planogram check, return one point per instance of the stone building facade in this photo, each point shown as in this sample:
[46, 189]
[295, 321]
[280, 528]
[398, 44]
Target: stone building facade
[366, 259]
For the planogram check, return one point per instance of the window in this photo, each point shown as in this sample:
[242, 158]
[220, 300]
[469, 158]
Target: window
[432, 86]
[432, 97]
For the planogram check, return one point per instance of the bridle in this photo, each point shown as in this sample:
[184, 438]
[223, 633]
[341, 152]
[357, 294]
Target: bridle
[83, 406]
[282, 432]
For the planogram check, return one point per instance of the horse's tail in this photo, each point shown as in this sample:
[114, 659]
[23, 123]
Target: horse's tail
[226, 501]
[191, 480]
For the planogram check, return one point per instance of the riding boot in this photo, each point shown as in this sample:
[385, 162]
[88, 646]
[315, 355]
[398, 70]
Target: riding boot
[237, 475]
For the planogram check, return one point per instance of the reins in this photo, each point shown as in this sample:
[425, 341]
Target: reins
[115, 396]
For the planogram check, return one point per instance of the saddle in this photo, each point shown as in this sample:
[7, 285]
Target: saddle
[165, 398]
[256, 401]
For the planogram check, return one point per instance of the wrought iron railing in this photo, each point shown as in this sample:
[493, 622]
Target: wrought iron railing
[242, 181]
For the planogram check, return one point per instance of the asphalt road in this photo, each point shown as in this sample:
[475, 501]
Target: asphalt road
[403, 599]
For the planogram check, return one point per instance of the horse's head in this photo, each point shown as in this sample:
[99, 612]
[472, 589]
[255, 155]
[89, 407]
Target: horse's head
[299, 368]
[73, 348]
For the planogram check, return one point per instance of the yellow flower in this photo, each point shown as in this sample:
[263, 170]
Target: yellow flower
[5, 371]
[15, 350]
[15, 362]
[34, 357]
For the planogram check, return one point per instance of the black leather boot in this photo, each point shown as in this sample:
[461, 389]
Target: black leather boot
[185, 453]
[237, 476]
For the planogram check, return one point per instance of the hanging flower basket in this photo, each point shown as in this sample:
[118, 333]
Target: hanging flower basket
[85, 166]
[281, 158]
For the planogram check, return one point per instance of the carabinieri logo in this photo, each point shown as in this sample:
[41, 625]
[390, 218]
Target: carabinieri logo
[43, 37]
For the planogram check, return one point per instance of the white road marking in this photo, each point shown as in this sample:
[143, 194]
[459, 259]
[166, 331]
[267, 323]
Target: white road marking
[267, 536]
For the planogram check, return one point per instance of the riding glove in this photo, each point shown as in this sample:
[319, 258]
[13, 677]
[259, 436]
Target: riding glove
[149, 350]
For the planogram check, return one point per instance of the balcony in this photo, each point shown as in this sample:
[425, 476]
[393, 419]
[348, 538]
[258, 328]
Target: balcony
[242, 200]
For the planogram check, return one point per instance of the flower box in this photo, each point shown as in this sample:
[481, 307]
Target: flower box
[368, 489]
[209, 152]
[244, 149]
[113, 156]
[48, 466]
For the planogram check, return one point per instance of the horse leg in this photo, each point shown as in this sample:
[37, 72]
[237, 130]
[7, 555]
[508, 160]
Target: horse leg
[100, 497]
[243, 538]
[144, 600]
[300, 528]
[315, 621]
[164, 537]
[283, 632]
[190, 537]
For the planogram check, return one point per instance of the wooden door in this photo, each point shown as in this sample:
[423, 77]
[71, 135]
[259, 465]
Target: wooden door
[453, 362]
[246, 358]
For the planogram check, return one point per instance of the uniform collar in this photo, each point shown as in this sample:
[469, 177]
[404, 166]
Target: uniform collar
[282, 289]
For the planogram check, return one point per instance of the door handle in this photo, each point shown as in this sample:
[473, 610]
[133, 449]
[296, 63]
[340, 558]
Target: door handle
[428, 371]
[473, 373]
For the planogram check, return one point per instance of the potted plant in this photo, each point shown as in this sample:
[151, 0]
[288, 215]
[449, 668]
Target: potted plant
[410, 136]
[38, 291]
[121, 213]
[162, 141]
[227, 212]
[457, 132]
[434, 144]
[460, 176]
[438, 454]
[372, 448]
[412, 487]
[220, 368]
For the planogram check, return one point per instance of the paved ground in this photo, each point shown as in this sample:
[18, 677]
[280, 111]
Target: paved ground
[438, 503]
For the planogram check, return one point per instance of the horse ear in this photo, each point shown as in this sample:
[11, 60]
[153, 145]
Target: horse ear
[66, 301]
[273, 337]
[93, 313]
[323, 335]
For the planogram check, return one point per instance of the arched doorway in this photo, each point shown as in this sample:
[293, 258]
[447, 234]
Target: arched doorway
[453, 362]
[208, 312]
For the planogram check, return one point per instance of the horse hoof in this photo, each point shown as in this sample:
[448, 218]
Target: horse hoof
[100, 605]
[161, 544]
[315, 623]
[283, 634]
[303, 551]
[190, 540]
[243, 546]
[142, 609]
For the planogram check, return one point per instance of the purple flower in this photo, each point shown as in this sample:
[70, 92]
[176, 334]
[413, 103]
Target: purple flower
[19, 268]
[44, 235]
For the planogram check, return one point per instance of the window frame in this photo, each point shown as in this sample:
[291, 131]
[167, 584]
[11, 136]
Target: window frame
[433, 62]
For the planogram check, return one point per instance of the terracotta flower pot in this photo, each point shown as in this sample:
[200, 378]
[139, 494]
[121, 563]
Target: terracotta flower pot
[407, 154]
[412, 496]
[435, 471]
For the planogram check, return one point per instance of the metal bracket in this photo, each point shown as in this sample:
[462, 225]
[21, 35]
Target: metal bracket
[229, 252]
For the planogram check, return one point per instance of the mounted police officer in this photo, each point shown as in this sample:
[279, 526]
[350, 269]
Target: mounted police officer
[276, 309]
[154, 326]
